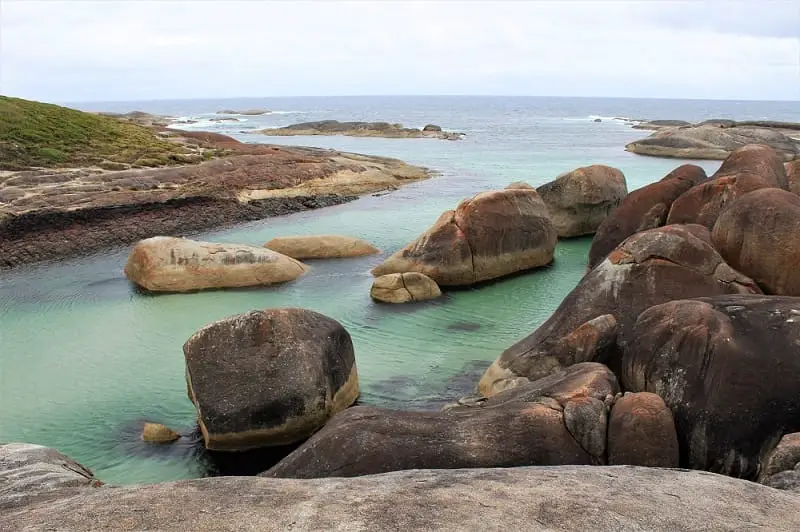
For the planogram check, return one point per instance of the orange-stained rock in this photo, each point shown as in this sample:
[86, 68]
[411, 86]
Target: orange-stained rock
[641, 432]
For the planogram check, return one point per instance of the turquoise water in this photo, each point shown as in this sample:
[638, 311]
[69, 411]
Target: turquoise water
[85, 357]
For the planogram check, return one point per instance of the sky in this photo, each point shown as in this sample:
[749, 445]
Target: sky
[105, 50]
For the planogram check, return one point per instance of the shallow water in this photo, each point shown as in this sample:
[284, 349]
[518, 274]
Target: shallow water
[85, 357]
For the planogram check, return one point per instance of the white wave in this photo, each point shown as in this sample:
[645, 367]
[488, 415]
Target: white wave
[288, 112]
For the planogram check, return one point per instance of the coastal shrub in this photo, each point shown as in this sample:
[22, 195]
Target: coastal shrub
[34, 134]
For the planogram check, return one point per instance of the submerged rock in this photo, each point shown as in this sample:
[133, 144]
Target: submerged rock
[759, 235]
[321, 247]
[166, 264]
[158, 433]
[649, 268]
[269, 378]
[404, 288]
[642, 209]
[570, 498]
[579, 201]
[728, 368]
[490, 235]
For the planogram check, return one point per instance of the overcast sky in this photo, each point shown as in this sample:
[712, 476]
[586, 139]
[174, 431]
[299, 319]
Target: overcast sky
[105, 50]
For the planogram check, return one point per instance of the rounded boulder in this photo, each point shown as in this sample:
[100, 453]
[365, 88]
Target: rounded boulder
[404, 288]
[321, 247]
[641, 432]
[269, 378]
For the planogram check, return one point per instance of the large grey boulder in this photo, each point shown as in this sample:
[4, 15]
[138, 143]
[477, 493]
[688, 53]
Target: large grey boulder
[525, 498]
[269, 378]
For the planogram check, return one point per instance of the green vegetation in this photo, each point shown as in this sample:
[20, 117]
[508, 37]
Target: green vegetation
[39, 134]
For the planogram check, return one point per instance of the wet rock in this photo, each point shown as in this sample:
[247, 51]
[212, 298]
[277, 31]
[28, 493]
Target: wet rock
[166, 264]
[732, 398]
[491, 235]
[641, 432]
[404, 288]
[269, 378]
[759, 235]
[580, 200]
[158, 433]
[644, 208]
[321, 247]
[649, 268]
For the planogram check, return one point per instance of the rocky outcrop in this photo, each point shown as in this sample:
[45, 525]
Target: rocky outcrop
[268, 378]
[48, 214]
[710, 142]
[166, 264]
[759, 235]
[579, 201]
[641, 432]
[404, 288]
[362, 129]
[660, 124]
[651, 267]
[746, 169]
[321, 247]
[732, 397]
[245, 112]
[644, 208]
[793, 176]
[488, 236]
[158, 433]
[527, 426]
[782, 467]
[522, 498]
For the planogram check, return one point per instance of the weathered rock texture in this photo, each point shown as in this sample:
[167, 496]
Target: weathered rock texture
[728, 368]
[748, 168]
[488, 236]
[321, 247]
[641, 432]
[644, 208]
[793, 175]
[527, 426]
[268, 378]
[525, 498]
[55, 213]
[649, 268]
[710, 142]
[404, 287]
[782, 467]
[580, 200]
[158, 433]
[362, 129]
[759, 235]
[166, 264]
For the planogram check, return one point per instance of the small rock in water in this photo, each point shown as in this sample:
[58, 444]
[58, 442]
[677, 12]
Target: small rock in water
[467, 326]
[158, 433]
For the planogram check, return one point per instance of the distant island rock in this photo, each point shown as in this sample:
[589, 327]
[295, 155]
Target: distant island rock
[246, 112]
[362, 129]
[715, 139]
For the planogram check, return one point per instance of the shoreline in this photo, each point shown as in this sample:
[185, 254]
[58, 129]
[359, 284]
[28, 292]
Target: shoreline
[53, 214]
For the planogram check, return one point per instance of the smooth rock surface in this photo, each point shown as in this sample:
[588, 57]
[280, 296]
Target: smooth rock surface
[321, 247]
[641, 432]
[523, 427]
[644, 208]
[158, 433]
[404, 288]
[648, 268]
[759, 235]
[490, 235]
[269, 378]
[728, 367]
[579, 201]
[570, 498]
[167, 264]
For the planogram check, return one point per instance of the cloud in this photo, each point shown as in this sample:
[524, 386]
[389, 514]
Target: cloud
[72, 51]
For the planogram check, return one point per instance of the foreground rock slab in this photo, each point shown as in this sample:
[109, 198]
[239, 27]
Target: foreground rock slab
[404, 288]
[488, 236]
[527, 498]
[321, 247]
[580, 200]
[167, 264]
[268, 378]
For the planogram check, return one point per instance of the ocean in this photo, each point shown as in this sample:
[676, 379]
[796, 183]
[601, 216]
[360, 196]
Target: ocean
[85, 358]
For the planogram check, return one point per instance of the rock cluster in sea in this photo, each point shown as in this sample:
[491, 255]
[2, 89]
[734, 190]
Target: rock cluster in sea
[679, 348]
